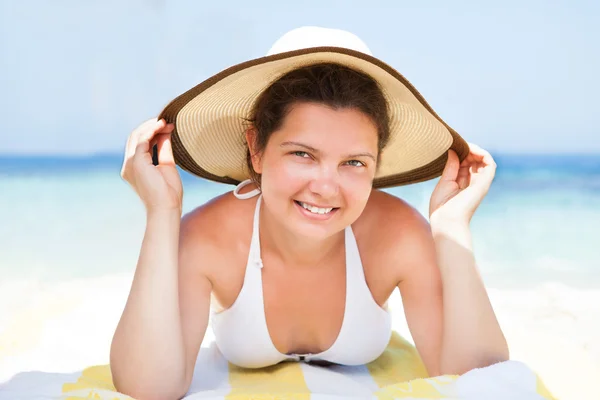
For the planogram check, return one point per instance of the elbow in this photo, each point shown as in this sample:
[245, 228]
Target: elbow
[491, 360]
[501, 356]
[460, 367]
[494, 356]
[145, 381]
[140, 391]
[144, 388]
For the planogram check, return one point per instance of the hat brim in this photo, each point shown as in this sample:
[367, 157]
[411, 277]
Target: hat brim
[208, 139]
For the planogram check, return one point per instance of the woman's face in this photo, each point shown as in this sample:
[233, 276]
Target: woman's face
[317, 170]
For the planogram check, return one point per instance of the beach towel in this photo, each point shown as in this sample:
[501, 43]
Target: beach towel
[397, 374]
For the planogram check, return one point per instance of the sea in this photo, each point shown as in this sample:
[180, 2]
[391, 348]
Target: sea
[65, 218]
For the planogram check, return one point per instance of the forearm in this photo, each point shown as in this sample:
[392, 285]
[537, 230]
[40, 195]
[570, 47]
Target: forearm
[147, 352]
[472, 337]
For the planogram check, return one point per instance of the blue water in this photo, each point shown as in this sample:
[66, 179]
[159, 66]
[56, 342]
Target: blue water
[64, 218]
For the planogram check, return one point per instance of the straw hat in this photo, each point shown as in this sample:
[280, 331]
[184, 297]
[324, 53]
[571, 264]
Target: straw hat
[208, 139]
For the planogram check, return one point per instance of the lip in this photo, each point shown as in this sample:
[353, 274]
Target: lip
[316, 205]
[315, 217]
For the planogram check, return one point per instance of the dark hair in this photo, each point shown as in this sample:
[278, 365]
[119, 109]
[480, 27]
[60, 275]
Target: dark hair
[329, 84]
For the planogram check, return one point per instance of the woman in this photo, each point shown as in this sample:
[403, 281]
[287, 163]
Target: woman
[301, 258]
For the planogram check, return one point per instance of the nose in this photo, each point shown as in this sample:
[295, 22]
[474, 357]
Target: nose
[325, 183]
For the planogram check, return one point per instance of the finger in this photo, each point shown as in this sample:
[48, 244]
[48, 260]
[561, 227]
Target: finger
[481, 155]
[145, 126]
[133, 137]
[475, 153]
[154, 141]
[481, 167]
[146, 137]
[153, 136]
[464, 177]
[133, 148]
[133, 141]
[488, 170]
[488, 159]
[451, 169]
[468, 160]
[160, 127]
[132, 145]
[142, 153]
[165, 150]
[150, 136]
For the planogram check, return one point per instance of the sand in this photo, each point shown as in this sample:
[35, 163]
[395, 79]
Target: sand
[66, 327]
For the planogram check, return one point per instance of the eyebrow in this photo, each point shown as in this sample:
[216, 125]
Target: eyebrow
[310, 148]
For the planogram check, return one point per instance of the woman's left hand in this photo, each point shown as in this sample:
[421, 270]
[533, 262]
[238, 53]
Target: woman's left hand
[462, 186]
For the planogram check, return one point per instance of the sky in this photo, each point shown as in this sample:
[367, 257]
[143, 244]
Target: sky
[517, 76]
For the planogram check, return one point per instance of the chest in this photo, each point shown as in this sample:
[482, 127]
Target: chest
[304, 308]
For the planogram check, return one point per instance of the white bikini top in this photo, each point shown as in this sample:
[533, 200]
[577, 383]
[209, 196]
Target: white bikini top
[241, 332]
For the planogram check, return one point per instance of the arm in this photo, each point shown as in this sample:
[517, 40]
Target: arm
[156, 342]
[446, 305]
[421, 289]
[472, 335]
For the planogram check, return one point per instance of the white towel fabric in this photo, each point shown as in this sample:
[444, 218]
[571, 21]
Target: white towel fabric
[397, 374]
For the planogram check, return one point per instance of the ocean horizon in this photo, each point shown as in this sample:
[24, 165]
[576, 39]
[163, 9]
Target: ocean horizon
[72, 216]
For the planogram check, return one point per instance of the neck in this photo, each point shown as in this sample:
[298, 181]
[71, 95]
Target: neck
[294, 251]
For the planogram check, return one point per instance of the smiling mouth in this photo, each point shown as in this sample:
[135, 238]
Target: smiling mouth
[316, 210]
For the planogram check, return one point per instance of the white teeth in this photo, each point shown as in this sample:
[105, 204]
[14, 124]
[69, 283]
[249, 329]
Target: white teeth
[315, 210]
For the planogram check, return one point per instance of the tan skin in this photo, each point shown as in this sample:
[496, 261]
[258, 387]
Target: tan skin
[304, 296]
[326, 158]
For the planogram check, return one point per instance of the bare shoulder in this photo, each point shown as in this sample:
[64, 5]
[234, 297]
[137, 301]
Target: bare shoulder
[389, 218]
[391, 234]
[221, 211]
[214, 231]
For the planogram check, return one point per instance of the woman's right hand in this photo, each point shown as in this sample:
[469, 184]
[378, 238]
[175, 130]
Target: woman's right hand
[159, 186]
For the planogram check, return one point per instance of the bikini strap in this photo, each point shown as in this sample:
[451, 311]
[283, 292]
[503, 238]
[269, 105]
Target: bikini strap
[254, 257]
[255, 246]
[250, 194]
